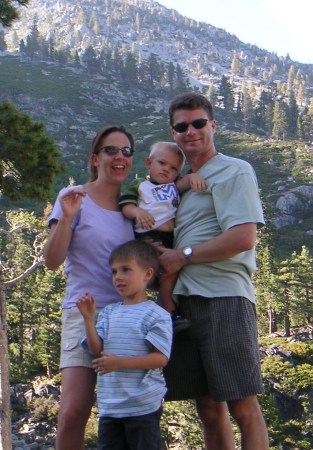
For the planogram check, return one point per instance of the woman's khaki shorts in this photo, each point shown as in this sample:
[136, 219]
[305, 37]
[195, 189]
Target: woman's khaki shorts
[73, 331]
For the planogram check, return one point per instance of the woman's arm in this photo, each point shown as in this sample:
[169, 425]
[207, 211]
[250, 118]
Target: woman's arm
[58, 242]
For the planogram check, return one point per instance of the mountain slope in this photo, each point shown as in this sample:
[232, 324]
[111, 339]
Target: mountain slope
[75, 101]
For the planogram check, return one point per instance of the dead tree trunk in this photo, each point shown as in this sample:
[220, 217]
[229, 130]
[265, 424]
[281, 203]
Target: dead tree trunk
[5, 408]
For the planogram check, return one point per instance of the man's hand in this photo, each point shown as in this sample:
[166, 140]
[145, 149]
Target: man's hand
[171, 260]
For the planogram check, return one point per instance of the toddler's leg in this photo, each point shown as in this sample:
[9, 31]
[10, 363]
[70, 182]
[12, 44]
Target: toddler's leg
[167, 283]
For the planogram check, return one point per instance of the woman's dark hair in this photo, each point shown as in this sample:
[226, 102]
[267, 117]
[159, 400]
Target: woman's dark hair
[97, 142]
[190, 101]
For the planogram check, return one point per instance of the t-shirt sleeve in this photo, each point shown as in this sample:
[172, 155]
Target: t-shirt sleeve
[160, 334]
[237, 201]
[131, 193]
[102, 322]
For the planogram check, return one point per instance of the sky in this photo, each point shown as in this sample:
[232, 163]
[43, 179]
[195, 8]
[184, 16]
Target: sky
[280, 26]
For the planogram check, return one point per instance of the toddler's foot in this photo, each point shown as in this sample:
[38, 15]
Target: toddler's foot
[179, 323]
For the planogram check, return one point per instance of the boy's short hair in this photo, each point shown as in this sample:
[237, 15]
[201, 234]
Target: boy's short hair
[170, 146]
[145, 255]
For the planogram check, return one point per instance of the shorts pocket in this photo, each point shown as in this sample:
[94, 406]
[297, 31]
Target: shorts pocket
[70, 344]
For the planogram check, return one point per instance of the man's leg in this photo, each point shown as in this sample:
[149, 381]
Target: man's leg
[217, 429]
[248, 415]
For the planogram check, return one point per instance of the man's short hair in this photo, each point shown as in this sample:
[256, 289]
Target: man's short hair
[190, 101]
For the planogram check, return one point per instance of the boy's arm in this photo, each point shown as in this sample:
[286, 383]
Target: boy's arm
[94, 342]
[139, 215]
[191, 181]
[110, 363]
[87, 306]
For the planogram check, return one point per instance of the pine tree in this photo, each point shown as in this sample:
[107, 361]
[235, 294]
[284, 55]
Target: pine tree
[227, 99]
[33, 41]
[131, 69]
[264, 105]
[212, 95]
[247, 108]
[284, 295]
[8, 11]
[3, 45]
[301, 268]
[29, 160]
[265, 290]
[280, 120]
[293, 114]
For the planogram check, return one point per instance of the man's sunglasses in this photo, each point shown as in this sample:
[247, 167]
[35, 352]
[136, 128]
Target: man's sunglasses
[112, 150]
[183, 126]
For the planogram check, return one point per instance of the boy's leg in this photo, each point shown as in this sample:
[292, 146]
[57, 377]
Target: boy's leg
[111, 434]
[143, 432]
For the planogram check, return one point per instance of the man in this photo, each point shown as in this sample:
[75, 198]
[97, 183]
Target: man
[214, 253]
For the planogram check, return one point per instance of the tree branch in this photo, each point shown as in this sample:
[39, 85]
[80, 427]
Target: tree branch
[31, 269]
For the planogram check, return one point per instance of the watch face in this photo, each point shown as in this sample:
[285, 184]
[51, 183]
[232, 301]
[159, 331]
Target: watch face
[187, 251]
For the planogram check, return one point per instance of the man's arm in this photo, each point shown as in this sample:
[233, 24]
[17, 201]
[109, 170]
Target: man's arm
[229, 243]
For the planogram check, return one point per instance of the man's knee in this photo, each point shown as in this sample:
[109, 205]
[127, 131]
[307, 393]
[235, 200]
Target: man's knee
[210, 411]
[245, 410]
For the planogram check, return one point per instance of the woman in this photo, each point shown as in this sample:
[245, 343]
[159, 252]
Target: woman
[86, 225]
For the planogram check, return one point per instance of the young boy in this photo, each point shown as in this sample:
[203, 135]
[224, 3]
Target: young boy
[152, 205]
[132, 342]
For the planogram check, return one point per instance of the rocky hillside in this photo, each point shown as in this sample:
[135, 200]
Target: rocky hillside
[74, 100]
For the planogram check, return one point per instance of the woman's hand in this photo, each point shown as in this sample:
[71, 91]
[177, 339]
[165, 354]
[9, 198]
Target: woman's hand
[71, 201]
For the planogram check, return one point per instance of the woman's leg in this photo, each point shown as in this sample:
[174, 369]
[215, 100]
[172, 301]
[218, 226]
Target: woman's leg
[77, 396]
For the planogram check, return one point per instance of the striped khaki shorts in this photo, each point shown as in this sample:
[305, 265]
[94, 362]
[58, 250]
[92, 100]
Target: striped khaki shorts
[219, 355]
[73, 331]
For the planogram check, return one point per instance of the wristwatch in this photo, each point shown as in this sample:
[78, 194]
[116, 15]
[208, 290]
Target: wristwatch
[187, 252]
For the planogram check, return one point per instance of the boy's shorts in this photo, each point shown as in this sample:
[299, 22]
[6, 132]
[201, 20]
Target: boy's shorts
[73, 331]
[219, 354]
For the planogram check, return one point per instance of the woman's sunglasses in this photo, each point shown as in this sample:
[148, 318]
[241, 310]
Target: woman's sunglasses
[112, 150]
[183, 126]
